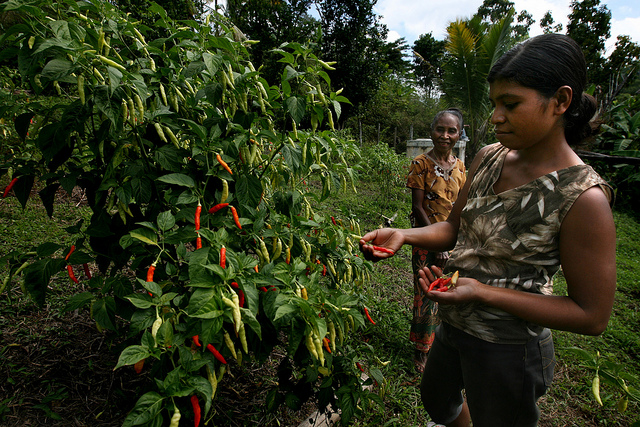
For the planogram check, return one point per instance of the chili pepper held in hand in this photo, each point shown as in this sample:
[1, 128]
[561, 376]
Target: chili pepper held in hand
[9, 187]
[223, 164]
[385, 250]
[217, 207]
[216, 354]
[366, 312]
[234, 212]
[196, 410]
[71, 275]
[434, 284]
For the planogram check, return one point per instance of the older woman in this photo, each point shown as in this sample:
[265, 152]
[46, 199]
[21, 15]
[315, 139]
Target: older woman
[435, 178]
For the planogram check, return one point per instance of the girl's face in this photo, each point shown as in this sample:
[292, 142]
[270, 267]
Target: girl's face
[445, 134]
[523, 117]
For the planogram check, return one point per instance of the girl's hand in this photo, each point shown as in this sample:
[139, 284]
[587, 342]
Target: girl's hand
[385, 243]
[465, 290]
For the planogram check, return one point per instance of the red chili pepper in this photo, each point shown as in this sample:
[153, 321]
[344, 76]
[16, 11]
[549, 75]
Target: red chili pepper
[138, 366]
[434, 284]
[198, 242]
[325, 342]
[217, 207]
[234, 212]
[333, 220]
[223, 257]
[263, 289]
[196, 410]
[73, 248]
[150, 271]
[366, 312]
[235, 285]
[255, 268]
[223, 164]
[241, 298]
[216, 353]
[196, 340]
[385, 250]
[359, 366]
[71, 275]
[9, 187]
[197, 220]
[87, 272]
[324, 270]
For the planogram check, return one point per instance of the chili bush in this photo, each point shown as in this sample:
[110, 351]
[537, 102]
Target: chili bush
[158, 126]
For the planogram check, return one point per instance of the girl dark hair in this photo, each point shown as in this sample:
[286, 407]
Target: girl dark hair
[545, 63]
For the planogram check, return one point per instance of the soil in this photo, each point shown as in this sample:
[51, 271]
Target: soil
[58, 371]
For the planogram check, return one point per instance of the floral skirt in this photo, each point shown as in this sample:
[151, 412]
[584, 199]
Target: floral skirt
[425, 312]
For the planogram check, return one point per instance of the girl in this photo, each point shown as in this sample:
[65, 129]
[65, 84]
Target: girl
[529, 207]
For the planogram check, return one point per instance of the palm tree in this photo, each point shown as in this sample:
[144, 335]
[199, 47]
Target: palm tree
[471, 49]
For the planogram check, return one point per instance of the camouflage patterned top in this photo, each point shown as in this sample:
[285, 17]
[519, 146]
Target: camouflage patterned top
[511, 240]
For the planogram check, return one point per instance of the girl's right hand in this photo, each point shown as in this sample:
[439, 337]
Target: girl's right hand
[390, 239]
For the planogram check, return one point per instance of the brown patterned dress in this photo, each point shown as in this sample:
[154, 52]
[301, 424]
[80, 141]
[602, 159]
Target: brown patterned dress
[441, 187]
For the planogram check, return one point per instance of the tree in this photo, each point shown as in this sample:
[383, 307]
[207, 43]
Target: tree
[272, 23]
[353, 37]
[546, 23]
[590, 26]
[493, 11]
[472, 47]
[622, 67]
[179, 10]
[427, 62]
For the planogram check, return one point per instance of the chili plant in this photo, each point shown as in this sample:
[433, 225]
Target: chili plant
[194, 167]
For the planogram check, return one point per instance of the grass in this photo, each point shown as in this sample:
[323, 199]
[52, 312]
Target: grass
[31, 336]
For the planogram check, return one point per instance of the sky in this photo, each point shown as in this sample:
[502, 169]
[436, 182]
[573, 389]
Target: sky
[411, 18]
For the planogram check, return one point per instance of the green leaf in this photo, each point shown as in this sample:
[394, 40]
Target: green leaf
[145, 235]
[248, 190]
[38, 275]
[177, 179]
[283, 310]
[104, 312]
[296, 107]
[147, 408]
[104, 103]
[142, 301]
[57, 69]
[78, 301]
[132, 355]
[166, 221]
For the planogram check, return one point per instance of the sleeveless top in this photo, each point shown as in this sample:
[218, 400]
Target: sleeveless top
[511, 240]
[441, 186]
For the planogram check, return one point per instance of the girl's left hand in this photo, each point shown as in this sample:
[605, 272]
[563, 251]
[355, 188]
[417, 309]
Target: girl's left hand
[465, 289]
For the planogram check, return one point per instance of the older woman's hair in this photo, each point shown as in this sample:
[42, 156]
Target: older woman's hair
[454, 112]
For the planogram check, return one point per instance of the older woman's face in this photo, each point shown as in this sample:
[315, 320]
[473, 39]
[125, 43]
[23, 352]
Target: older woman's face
[445, 134]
